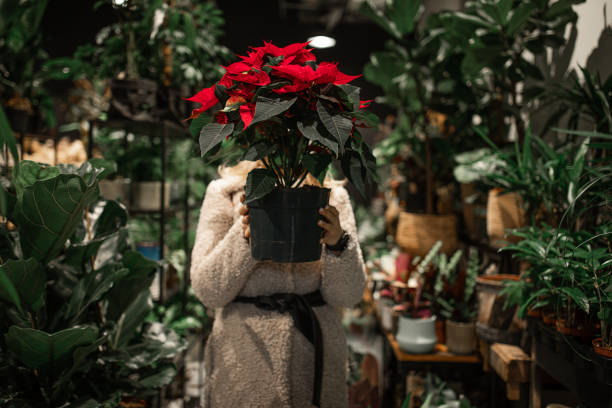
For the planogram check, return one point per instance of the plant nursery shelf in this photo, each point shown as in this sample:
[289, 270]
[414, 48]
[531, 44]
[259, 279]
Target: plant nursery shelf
[144, 127]
[440, 354]
[167, 211]
[577, 367]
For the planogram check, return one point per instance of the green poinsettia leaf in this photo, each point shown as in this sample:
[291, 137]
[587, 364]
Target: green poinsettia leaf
[354, 170]
[196, 125]
[310, 132]
[317, 165]
[352, 94]
[260, 182]
[213, 134]
[266, 108]
[258, 151]
[338, 126]
[367, 118]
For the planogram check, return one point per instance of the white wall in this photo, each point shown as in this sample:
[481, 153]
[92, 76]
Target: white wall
[590, 26]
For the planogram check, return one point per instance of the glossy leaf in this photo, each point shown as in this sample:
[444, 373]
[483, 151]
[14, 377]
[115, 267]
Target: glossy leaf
[266, 108]
[44, 351]
[259, 183]
[213, 134]
[8, 292]
[317, 165]
[368, 9]
[338, 126]
[48, 211]
[29, 279]
[405, 14]
[310, 132]
[131, 319]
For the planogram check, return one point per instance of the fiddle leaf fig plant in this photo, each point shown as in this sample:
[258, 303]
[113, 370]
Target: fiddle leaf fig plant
[74, 297]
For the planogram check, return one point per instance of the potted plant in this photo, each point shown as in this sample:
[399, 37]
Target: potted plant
[416, 81]
[75, 297]
[417, 325]
[294, 115]
[454, 298]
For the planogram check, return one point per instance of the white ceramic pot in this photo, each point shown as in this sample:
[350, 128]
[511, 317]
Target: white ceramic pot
[386, 314]
[146, 195]
[116, 189]
[460, 337]
[417, 336]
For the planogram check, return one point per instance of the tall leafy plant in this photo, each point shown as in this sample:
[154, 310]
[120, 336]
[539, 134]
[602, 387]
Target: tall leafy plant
[497, 36]
[74, 296]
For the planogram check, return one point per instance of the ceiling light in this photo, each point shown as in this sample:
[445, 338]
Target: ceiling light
[321, 41]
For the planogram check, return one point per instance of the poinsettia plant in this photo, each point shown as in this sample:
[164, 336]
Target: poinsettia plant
[281, 106]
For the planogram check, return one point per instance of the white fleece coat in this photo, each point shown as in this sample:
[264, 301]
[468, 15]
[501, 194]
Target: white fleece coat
[254, 357]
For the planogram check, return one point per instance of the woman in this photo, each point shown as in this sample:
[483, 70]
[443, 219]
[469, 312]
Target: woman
[257, 357]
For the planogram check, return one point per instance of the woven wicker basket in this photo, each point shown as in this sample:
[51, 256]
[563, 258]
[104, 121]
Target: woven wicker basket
[504, 211]
[417, 233]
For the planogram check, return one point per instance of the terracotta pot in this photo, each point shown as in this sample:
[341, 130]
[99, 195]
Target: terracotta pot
[417, 233]
[441, 331]
[600, 349]
[581, 332]
[534, 313]
[549, 318]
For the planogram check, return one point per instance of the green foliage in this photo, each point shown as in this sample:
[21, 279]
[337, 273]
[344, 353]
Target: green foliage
[75, 298]
[146, 30]
[453, 296]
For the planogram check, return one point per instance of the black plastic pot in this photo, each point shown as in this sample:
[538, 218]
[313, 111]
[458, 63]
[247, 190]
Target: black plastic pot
[18, 119]
[284, 225]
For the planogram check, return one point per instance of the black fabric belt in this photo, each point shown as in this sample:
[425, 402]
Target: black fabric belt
[305, 320]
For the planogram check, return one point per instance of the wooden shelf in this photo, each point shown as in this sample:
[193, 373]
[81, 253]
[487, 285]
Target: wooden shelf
[440, 354]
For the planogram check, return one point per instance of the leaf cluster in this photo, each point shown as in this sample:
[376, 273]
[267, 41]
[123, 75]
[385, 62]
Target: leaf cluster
[74, 295]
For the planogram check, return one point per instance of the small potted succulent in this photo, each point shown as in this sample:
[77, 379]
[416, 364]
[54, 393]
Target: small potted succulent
[295, 115]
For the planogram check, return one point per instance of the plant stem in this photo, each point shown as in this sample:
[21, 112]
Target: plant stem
[301, 180]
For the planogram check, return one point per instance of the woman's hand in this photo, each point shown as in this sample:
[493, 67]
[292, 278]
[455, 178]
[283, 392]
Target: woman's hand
[332, 230]
[246, 219]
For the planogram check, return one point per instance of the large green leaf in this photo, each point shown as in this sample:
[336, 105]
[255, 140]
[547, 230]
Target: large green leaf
[8, 292]
[310, 132]
[29, 278]
[197, 124]
[317, 165]
[91, 288]
[142, 272]
[43, 351]
[213, 134]
[368, 9]
[405, 14]
[29, 172]
[48, 211]
[112, 218]
[265, 108]
[338, 126]
[258, 151]
[520, 15]
[354, 170]
[164, 376]
[259, 183]
[130, 321]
